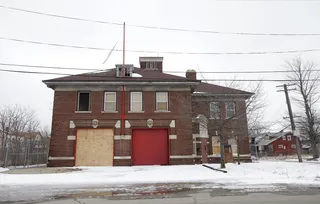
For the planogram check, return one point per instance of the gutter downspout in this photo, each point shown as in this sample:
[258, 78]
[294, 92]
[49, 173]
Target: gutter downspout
[123, 116]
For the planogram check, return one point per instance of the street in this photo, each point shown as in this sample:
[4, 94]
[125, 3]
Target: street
[202, 197]
[171, 193]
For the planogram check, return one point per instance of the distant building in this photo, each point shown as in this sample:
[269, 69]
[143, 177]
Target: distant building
[276, 144]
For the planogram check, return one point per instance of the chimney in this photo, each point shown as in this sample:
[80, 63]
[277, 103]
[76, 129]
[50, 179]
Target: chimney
[151, 63]
[191, 74]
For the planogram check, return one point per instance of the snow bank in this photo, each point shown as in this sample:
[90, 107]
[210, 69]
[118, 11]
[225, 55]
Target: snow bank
[2, 170]
[262, 173]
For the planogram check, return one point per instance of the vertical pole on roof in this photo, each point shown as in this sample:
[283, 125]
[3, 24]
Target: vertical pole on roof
[123, 74]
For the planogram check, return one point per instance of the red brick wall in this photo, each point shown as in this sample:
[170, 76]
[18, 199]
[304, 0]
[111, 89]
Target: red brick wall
[65, 104]
[201, 105]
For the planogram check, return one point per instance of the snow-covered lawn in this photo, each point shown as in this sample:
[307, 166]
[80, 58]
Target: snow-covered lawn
[245, 175]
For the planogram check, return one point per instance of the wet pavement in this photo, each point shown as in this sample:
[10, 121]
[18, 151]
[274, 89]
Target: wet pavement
[56, 194]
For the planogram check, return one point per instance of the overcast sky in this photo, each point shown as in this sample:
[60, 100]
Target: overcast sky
[228, 16]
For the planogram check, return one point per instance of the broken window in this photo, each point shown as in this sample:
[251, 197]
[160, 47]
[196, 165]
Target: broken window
[214, 110]
[83, 101]
[110, 101]
[136, 102]
[162, 101]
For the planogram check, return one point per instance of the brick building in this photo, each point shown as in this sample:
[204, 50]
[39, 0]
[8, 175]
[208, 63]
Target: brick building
[134, 116]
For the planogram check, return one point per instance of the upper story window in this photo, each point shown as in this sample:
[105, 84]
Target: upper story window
[283, 137]
[230, 109]
[136, 102]
[214, 110]
[110, 101]
[289, 137]
[162, 101]
[83, 101]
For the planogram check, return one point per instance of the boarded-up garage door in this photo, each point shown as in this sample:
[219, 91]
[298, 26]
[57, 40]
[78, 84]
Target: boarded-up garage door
[150, 147]
[94, 147]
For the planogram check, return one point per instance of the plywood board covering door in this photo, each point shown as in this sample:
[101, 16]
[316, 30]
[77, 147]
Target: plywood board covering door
[94, 147]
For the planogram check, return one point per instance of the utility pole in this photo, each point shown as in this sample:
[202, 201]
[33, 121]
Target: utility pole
[293, 127]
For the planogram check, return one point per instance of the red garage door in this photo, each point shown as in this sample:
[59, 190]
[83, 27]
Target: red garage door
[150, 147]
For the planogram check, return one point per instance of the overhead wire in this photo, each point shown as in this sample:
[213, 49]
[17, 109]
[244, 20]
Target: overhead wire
[163, 52]
[100, 76]
[157, 27]
[177, 72]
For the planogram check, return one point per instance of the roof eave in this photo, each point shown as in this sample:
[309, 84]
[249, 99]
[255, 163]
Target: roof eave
[245, 95]
[52, 84]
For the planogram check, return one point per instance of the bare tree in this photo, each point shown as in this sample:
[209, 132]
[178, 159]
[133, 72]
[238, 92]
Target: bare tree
[16, 120]
[306, 78]
[258, 104]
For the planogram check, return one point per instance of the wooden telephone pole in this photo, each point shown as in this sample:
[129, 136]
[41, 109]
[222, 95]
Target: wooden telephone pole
[293, 126]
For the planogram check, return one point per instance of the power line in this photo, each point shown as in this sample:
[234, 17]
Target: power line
[65, 74]
[158, 28]
[177, 72]
[163, 52]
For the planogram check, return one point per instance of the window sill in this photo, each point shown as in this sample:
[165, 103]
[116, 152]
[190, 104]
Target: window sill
[166, 111]
[82, 112]
[135, 111]
[232, 118]
[109, 111]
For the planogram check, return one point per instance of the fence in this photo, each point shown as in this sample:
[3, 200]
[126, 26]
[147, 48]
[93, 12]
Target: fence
[26, 152]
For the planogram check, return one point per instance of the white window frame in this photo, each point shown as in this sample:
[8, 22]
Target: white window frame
[213, 114]
[234, 109]
[105, 101]
[78, 100]
[284, 138]
[280, 146]
[167, 101]
[289, 138]
[135, 92]
[293, 146]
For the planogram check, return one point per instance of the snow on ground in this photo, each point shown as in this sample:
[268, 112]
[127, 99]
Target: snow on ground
[261, 173]
[3, 169]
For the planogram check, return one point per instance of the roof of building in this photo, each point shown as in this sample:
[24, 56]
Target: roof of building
[110, 75]
[271, 137]
[213, 88]
[145, 75]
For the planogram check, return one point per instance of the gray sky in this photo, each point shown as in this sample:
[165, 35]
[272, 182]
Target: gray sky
[229, 16]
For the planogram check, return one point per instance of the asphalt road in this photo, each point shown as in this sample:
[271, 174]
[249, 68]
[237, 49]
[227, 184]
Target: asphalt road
[138, 195]
[202, 197]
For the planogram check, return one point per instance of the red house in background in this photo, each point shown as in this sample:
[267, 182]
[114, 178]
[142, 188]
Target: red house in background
[276, 144]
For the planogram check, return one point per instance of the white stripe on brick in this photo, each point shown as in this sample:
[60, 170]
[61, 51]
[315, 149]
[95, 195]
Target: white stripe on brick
[181, 156]
[71, 137]
[122, 137]
[172, 137]
[122, 157]
[61, 158]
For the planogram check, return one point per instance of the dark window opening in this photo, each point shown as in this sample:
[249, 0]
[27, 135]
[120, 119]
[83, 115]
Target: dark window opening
[84, 101]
